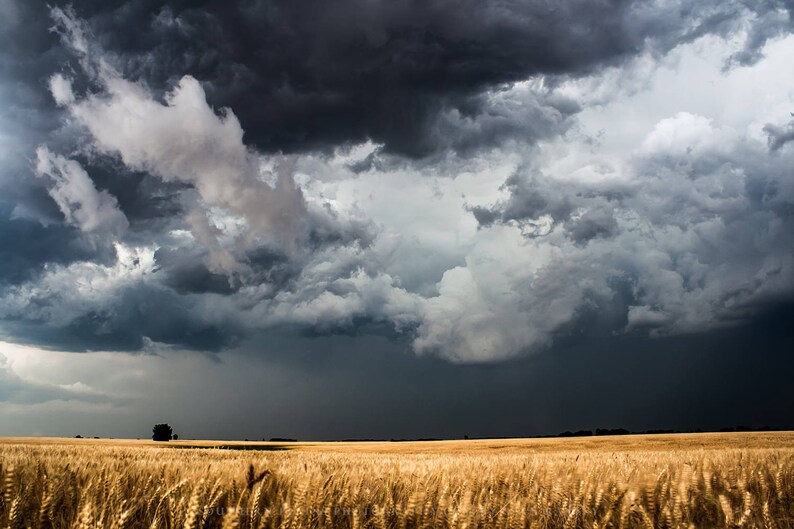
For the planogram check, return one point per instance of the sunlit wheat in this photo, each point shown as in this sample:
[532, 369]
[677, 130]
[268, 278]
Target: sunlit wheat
[74, 485]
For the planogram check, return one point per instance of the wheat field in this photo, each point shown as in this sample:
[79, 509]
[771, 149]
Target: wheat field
[698, 480]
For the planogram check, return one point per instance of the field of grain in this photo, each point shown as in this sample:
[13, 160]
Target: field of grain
[703, 480]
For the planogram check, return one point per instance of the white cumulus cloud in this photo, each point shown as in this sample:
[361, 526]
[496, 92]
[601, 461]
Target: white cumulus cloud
[80, 202]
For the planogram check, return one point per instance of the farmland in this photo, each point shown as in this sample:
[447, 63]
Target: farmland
[692, 480]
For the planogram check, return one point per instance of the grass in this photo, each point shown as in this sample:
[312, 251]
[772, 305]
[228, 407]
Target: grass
[698, 480]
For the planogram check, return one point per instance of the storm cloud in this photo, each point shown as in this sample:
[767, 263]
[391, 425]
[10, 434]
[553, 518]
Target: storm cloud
[208, 172]
[695, 234]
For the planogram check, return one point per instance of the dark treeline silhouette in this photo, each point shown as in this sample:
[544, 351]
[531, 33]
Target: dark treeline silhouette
[567, 433]
[612, 431]
[163, 432]
[742, 428]
[623, 431]
[578, 433]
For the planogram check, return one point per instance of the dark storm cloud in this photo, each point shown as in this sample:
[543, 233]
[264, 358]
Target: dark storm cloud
[306, 75]
[186, 273]
[26, 246]
[123, 321]
[416, 78]
[772, 19]
[312, 74]
[148, 203]
[76, 294]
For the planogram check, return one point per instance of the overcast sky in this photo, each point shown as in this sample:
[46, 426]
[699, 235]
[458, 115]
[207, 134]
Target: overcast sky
[388, 218]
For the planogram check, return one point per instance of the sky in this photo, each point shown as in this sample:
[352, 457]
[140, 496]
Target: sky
[395, 219]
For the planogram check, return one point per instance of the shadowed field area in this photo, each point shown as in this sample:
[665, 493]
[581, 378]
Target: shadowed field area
[709, 480]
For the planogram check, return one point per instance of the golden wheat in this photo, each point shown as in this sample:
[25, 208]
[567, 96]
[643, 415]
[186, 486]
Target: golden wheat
[692, 483]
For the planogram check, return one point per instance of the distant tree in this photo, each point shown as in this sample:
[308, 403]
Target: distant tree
[175, 437]
[161, 432]
[78, 436]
